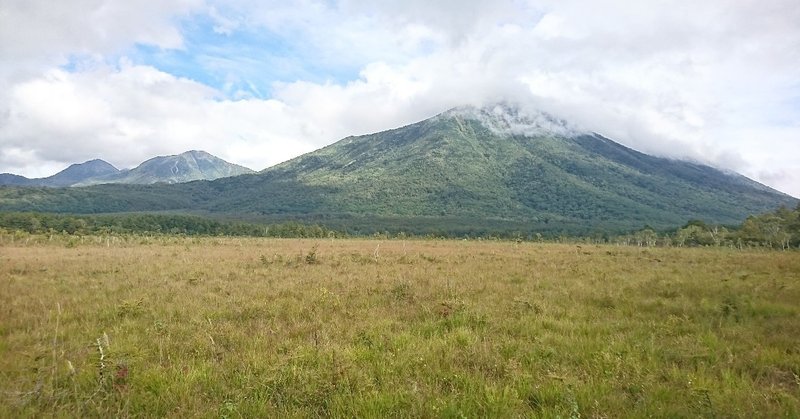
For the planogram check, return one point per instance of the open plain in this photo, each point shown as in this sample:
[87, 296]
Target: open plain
[224, 327]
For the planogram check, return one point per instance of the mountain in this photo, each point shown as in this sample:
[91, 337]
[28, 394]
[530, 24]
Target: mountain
[468, 170]
[15, 180]
[500, 162]
[72, 175]
[184, 167]
[78, 173]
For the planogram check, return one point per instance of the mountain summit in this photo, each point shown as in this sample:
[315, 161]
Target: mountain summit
[77, 173]
[504, 119]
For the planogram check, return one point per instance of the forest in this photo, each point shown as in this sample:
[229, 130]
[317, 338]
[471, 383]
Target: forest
[779, 229]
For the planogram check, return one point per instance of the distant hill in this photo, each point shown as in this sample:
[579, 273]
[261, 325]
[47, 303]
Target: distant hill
[468, 170]
[185, 167]
[15, 180]
[72, 175]
[78, 173]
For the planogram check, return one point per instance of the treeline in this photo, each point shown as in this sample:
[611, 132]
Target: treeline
[316, 227]
[778, 230]
[40, 223]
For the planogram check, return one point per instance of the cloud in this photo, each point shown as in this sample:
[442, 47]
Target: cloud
[36, 30]
[715, 82]
[129, 113]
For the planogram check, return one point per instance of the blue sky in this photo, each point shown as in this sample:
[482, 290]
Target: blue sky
[259, 82]
[244, 62]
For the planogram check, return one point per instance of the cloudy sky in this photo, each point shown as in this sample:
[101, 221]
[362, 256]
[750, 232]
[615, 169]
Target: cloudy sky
[257, 82]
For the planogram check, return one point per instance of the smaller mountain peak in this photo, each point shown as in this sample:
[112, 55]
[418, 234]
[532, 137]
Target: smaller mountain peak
[98, 163]
[505, 118]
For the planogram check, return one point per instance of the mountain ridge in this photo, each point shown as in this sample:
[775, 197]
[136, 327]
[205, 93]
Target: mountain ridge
[73, 174]
[189, 166]
[177, 168]
[464, 170]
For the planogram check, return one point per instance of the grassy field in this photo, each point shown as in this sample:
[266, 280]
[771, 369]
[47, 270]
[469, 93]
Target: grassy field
[291, 328]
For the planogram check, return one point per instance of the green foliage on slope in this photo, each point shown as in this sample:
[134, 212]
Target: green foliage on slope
[456, 166]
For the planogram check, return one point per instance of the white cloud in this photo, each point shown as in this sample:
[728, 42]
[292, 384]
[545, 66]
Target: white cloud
[35, 30]
[715, 81]
[129, 113]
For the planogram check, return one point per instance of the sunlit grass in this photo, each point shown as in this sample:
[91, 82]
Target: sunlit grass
[273, 328]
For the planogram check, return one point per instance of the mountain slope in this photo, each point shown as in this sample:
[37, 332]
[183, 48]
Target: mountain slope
[180, 168]
[466, 170]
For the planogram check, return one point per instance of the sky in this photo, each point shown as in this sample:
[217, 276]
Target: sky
[257, 82]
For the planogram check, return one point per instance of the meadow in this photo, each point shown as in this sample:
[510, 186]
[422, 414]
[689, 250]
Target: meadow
[252, 327]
